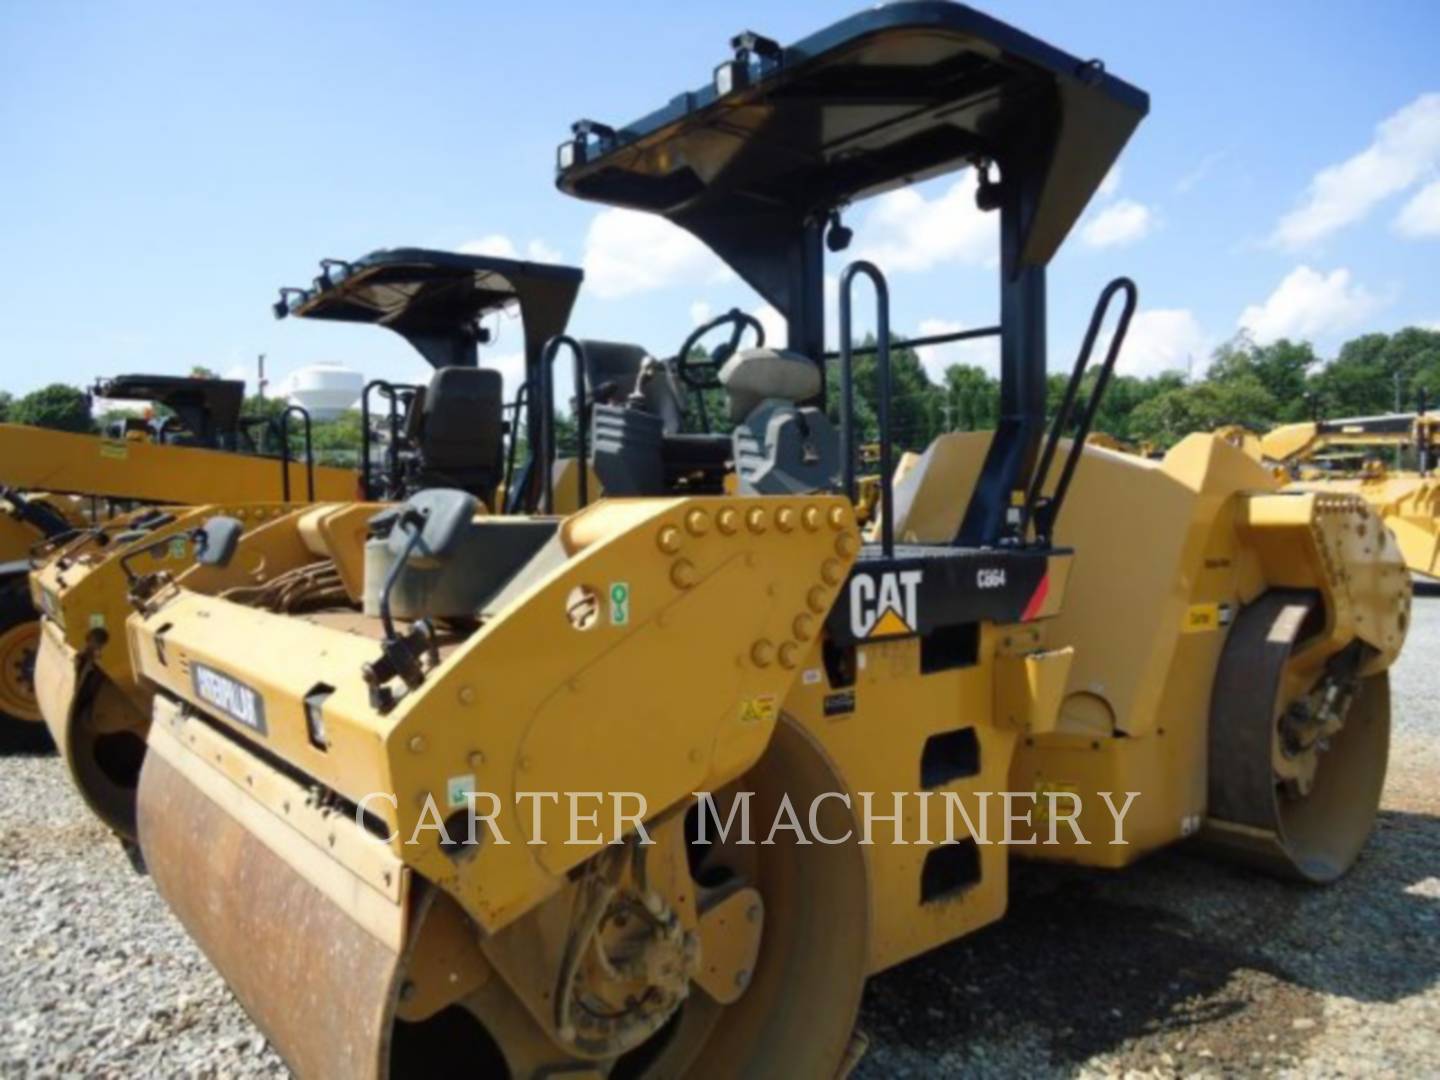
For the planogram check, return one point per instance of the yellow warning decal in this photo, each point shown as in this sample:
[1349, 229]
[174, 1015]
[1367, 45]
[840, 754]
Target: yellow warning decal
[1043, 802]
[1200, 617]
[116, 450]
[762, 709]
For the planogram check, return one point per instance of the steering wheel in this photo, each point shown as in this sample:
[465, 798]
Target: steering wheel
[705, 374]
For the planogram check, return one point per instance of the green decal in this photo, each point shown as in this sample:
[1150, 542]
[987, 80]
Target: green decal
[458, 789]
[620, 603]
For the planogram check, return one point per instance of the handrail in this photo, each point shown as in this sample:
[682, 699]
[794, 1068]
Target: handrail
[512, 494]
[929, 339]
[1044, 511]
[847, 392]
[391, 392]
[285, 453]
[582, 420]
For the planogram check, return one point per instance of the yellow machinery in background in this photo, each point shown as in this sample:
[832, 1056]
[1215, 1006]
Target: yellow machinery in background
[88, 692]
[58, 484]
[1408, 498]
[650, 788]
[25, 520]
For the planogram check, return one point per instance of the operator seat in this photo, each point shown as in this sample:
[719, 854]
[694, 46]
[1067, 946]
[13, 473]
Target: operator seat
[780, 446]
[636, 445]
[619, 373]
[457, 425]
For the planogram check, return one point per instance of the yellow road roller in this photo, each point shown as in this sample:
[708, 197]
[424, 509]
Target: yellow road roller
[1406, 497]
[59, 486]
[650, 788]
[26, 518]
[96, 708]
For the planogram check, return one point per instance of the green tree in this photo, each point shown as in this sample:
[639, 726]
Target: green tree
[1375, 373]
[200, 371]
[57, 406]
[7, 404]
[973, 398]
[1203, 406]
[1281, 367]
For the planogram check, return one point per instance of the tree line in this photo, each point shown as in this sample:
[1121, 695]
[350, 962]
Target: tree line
[1257, 386]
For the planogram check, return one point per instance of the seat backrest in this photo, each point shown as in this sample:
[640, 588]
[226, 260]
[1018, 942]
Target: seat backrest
[612, 370]
[755, 375]
[460, 432]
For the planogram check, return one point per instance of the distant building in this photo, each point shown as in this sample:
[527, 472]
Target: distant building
[324, 390]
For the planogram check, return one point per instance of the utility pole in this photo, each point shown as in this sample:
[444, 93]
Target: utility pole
[260, 383]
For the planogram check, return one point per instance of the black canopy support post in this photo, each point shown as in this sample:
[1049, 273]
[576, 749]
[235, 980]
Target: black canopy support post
[582, 418]
[883, 386]
[805, 317]
[994, 514]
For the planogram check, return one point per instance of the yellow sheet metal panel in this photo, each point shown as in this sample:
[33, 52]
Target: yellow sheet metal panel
[669, 640]
[41, 459]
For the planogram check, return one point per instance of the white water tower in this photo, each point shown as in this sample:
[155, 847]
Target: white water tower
[326, 391]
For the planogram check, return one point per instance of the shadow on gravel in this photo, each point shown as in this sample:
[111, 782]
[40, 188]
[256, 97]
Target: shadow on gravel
[24, 739]
[1175, 956]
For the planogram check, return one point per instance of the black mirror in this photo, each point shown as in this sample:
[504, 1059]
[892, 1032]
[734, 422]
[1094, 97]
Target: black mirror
[439, 515]
[216, 540]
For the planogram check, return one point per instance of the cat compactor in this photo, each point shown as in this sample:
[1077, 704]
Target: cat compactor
[1349, 456]
[97, 710]
[621, 792]
[59, 485]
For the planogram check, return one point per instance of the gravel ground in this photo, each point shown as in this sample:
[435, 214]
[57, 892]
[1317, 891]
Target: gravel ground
[1177, 966]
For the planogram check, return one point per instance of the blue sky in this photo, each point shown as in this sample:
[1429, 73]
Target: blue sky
[165, 166]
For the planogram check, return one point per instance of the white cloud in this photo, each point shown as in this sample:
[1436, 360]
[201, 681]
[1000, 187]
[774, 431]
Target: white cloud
[539, 251]
[629, 252]
[502, 247]
[1421, 215]
[977, 352]
[777, 330]
[1406, 146]
[511, 367]
[1122, 222]
[912, 232]
[1111, 184]
[1308, 304]
[700, 312]
[1188, 182]
[1160, 340]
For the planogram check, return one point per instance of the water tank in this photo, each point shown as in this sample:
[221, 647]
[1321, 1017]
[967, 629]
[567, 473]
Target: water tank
[326, 390]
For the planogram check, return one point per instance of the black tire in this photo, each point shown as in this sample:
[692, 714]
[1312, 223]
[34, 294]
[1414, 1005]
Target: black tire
[19, 734]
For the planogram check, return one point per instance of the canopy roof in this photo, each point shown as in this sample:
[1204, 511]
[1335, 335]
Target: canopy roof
[435, 299]
[883, 98]
[205, 406]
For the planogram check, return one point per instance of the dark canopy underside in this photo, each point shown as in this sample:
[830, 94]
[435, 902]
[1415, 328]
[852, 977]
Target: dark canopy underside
[435, 299]
[884, 98]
